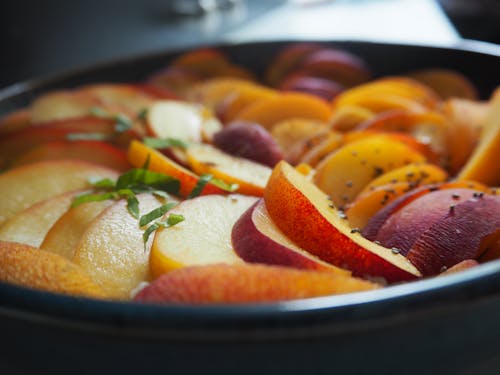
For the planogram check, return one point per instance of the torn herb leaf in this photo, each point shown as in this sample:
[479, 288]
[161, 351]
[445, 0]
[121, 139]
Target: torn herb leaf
[139, 179]
[156, 213]
[200, 184]
[87, 137]
[160, 143]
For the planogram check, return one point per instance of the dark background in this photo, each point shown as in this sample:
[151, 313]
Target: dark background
[44, 37]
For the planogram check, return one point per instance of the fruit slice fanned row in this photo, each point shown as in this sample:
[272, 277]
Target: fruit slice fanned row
[374, 204]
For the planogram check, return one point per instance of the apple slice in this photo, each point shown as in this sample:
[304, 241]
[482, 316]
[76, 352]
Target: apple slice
[250, 176]
[30, 267]
[97, 152]
[32, 224]
[180, 120]
[257, 239]
[63, 237]
[23, 186]
[112, 250]
[204, 237]
[306, 216]
[246, 283]
[457, 236]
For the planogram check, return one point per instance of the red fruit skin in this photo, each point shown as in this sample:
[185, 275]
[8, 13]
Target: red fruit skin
[457, 236]
[405, 226]
[249, 140]
[323, 88]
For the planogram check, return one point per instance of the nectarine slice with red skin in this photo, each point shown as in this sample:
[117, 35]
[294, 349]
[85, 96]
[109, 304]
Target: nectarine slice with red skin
[256, 239]
[15, 121]
[345, 173]
[25, 185]
[348, 117]
[447, 83]
[404, 227]
[27, 266]
[175, 79]
[483, 165]
[251, 177]
[268, 112]
[318, 152]
[204, 237]
[96, 152]
[320, 87]
[457, 236]
[306, 216]
[138, 153]
[246, 283]
[459, 267]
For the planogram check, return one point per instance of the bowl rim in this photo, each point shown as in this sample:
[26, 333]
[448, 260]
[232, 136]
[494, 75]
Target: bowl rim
[225, 319]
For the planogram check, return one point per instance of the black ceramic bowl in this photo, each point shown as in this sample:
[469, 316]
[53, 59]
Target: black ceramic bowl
[444, 325]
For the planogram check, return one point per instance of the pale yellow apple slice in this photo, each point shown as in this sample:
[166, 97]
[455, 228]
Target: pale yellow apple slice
[23, 186]
[32, 224]
[184, 121]
[483, 165]
[112, 250]
[249, 175]
[204, 237]
[306, 216]
[63, 237]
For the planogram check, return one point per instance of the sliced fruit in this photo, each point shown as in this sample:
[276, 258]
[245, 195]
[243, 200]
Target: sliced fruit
[345, 173]
[327, 145]
[96, 152]
[250, 176]
[32, 224]
[245, 283]
[211, 218]
[306, 216]
[249, 140]
[269, 112]
[139, 153]
[23, 186]
[63, 237]
[457, 235]
[348, 117]
[256, 239]
[112, 250]
[447, 83]
[288, 133]
[483, 164]
[406, 225]
[15, 121]
[320, 87]
[178, 80]
[27, 266]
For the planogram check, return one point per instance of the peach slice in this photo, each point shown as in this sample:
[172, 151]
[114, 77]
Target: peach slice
[465, 119]
[112, 250]
[178, 80]
[64, 104]
[327, 145]
[287, 60]
[184, 121]
[249, 140]
[268, 112]
[413, 175]
[405, 226]
[459, 267]
[63, 237]
[32, 224]
[246, 283]
[447, 83]
[257, 239]
[138, 153]
[289, 132]
[483, 165]
[250, 176]
[211, 218]
[96, 152]
[457, 236]
[23, 186]
[213, 92]
[15, 121]
[345, 173]
[348, 117]
[320, 87]
[306, 216]
[30, 267]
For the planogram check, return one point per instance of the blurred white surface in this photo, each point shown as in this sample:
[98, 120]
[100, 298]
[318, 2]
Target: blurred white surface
[405, 21]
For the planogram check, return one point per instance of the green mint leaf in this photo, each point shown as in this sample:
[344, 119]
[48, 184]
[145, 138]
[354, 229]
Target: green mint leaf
[123, 123]
[86, 137]
[147, 162]
[99, 112]
[149, 230]
[160, 143]
[224, 185]
[105, 183]
[142, 114]
[138, 178]
[133, 206]
[200, 184]
[89, 197]
[155, 214]
[160, 194]
[174, 219]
